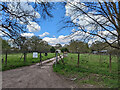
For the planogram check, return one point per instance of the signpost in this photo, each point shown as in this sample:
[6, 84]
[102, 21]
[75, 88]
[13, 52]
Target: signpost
[40, 59]
[35, 54]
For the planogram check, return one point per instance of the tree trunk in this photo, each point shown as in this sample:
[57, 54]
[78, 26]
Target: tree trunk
[2, 60]
[24, 57]
[40, 59]
[56, 57]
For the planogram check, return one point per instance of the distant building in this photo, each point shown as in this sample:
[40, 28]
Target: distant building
[95, 52]
[102, 51]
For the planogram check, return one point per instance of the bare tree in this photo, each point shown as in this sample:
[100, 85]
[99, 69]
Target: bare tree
[99, 20]
[15, 16]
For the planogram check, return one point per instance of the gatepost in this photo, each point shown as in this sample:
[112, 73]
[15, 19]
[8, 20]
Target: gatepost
[56, 58]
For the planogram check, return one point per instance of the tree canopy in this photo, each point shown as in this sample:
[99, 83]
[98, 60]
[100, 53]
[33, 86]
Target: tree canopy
[78, 46]
[19, 15]
[95, 20]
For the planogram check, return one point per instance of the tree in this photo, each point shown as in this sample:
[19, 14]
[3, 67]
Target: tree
[64, 50]
[5, 45]
[97, 20]
[78, 46]
[35, 43]
[58, 46]
[44, 46]
[97, 46]
[17, 15]
[52, 49]
[21, 42]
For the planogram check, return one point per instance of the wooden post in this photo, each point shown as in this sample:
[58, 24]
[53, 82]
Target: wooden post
[40, 58]
[78, 58]
[110, 63]
[6, 59]
[2, 60]
[56, 57]
[24, 57]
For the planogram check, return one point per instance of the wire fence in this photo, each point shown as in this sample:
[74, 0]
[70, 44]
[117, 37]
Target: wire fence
[13, 59]
[104, 60]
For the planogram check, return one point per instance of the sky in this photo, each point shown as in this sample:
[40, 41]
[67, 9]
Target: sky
[47, 29]
[52, 25]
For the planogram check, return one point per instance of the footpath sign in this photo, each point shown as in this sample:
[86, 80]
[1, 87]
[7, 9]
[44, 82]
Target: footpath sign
[35, 54]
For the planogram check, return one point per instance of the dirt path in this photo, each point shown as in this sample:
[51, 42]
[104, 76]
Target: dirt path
[34, 76]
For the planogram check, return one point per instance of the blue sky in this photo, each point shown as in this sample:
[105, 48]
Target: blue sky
[52, 25]
[48, 29]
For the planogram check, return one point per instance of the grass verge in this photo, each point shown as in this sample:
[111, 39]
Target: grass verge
[93, 70]
[14, 60]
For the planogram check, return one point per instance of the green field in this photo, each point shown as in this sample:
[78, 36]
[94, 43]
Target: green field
[14, 60]
[93, 70]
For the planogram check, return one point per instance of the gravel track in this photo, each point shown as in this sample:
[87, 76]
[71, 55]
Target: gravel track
[34, 76]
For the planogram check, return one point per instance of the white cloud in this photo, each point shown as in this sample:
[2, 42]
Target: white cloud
[73, 30]
[26, 13]
[27, 34]
[18, 9]
[33, 27]
[61, 39]
[54, 36]
[88, 24]
[1, 34]
[64, 39]
[82, 19]
[44, 34]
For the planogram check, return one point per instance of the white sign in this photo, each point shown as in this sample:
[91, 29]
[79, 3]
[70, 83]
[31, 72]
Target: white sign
[35, 55]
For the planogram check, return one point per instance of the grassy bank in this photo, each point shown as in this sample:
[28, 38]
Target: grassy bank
[92, 70]
[14, 60]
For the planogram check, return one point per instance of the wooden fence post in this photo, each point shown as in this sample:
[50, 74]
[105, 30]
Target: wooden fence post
[24, 57]
[110, 63]
[6, 59]
[56, 57]
[40, 58]
[56, 53]
[78, 58]
[2, 60]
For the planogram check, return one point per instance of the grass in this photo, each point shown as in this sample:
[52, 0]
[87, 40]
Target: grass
[93, 69]
[14, 61]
